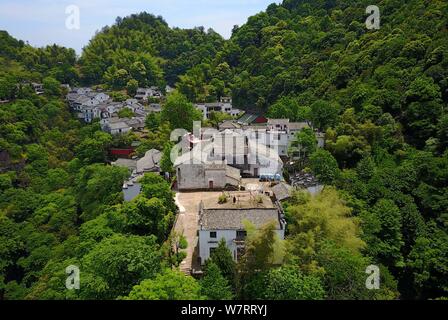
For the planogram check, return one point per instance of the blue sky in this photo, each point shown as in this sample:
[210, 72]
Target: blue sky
[42, 22]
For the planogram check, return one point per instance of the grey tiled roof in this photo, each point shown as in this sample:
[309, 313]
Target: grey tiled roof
[150, 162]
[229, 124]
[282, 191]
[127, 163]
[232, 219]
[278, 121]
[118, 125]
[298, 125]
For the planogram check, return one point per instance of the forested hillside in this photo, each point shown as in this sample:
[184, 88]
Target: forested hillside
[144, 48]
[379, 95]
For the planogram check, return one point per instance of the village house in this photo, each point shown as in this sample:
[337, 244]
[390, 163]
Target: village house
[38, 88]
[201, 174]
[133, 105]
[119, 127]
[144, 94]
[224, 106]
[88, 104]
[282, 191]
[226, 220]
[116, 125]
[245, 153]
[138, 167]
[150, 162]
[229, 125]
[155, 107]
[136, 123]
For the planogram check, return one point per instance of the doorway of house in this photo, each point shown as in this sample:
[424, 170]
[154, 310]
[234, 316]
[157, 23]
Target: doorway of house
[210, 184]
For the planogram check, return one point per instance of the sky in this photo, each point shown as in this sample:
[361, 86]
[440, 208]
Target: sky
[43, 22]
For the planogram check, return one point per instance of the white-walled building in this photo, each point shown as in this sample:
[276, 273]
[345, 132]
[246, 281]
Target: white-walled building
[119, 127]
[226, 221]
[218, 160]
[90, 105]
[224, 106]
[194, 171]
[143, 94]
[277, 134]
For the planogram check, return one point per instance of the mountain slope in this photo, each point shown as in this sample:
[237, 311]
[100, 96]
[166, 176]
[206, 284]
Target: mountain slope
[147, 49]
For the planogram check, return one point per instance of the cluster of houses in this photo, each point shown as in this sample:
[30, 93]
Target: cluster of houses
[209, 159]
[90, 104]
[274, 133]
[218, 159]
[251, 147]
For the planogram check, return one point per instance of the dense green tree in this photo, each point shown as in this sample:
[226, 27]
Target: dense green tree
[263, 250]
[11, 246]
[153, 121]
[125, 113]
[121, 262]
[215, 118]
[213, 285]
[288, 283]
[428, 261]
[97, 186]
[289, 108]
[382, 228]
[7, 88]
[148, 216]
[424, 108]
[179, 112]
[94, 149]
[304, 144]
[313, 220]
[223, 259]
[345, 276]
[148, 50]
[131, 87]
[170, 285]
[324, 114]
[52, 86]
[155, 186]
[166, 165]
[324, 166]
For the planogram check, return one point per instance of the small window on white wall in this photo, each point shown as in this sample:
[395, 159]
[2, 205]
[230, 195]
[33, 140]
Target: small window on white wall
[213, 235]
